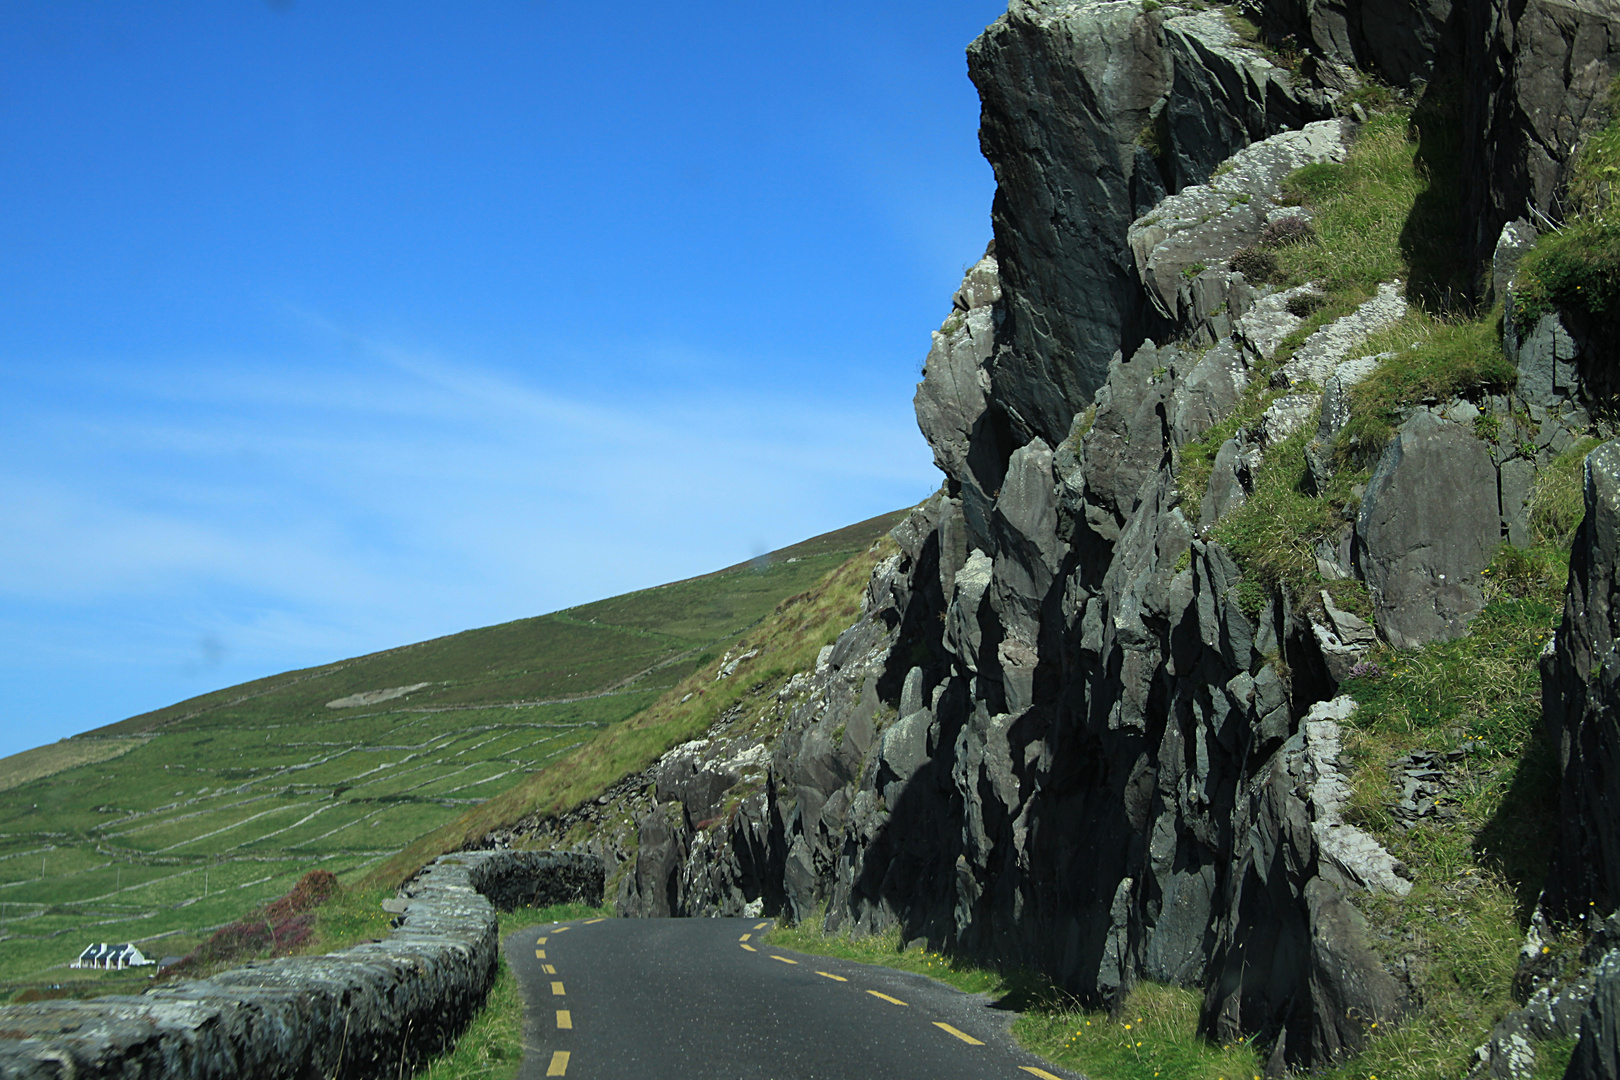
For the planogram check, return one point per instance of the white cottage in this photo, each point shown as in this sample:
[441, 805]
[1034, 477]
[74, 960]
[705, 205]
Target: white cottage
[111, 957]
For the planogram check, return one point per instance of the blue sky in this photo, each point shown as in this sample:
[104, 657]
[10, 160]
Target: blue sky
[327, 327]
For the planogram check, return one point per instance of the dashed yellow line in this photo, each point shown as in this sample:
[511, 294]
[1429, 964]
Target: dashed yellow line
[749, 947]
[1042, 1073]
[745, 937]
[784, 959]
[539, 941]
[886, 997]
[588, 922]
[830, 975]
[964, 1036]
[559, 1064]
[549, 969]
[560, 929]
[539, 954]
[565, 1019]
[557, 990]
[761, 926]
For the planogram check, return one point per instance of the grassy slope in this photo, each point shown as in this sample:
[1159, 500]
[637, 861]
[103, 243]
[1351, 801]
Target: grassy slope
[227, 799]
[788, 642]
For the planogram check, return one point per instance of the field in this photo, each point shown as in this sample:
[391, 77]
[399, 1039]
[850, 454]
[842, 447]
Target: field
[162, 827]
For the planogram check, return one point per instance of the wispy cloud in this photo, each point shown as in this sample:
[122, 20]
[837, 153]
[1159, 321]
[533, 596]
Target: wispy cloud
[294, 516]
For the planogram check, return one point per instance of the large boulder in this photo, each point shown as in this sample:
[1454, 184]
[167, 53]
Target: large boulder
[1579, 702]
[1429, 523]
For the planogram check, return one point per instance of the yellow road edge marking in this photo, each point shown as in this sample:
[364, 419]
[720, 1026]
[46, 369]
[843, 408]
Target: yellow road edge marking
[539, 954]
[784, 959]
[539, 941]
[1042, 1073]
[830, 975]
[761, 926]
[588, 922]
[745, 937]
[964, 1036]
[886, 997]
[559, 1064]
[549, 969]
[557, 990]
[565, 1019]
[749, 947]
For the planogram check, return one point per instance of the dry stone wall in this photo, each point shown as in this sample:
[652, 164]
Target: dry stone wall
[371, 1011]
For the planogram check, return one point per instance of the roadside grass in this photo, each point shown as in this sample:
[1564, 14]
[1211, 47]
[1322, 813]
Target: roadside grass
[492, 1046]
[1154, 1034]
[788, 641]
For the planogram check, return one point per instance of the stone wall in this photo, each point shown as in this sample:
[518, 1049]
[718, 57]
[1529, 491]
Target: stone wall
[371, 1011]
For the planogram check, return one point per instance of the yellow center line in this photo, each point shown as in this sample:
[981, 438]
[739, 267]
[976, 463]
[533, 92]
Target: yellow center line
[539, 954]
[560, 929]
[830, 975]
[559, 1064]
[539, 941]
[761, 926]
[886, 997]
[964, 1036]
[745, 937]
[1042, 1073]
[565, 1019]
[784, 959]
[549, 969]
[749, 947]
[556, 989]
[588, 922]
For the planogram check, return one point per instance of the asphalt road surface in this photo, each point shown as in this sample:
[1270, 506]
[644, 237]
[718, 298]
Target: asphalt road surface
[671, 999]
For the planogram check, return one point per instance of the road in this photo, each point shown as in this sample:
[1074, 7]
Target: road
[670, 999]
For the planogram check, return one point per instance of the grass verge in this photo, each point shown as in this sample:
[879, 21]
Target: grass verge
[1154, 1035]
[492, 1046]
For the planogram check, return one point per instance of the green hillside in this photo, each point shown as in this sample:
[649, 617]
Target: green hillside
[160, 827]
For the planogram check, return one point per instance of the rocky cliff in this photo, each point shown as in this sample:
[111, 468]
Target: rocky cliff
[1072, 730]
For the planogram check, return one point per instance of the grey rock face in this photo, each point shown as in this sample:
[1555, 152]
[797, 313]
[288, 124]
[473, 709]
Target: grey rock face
[1547, 357]
[1515, 240]
[1067, 89]
[1597, 1055]
[369, 1011]
[1579, 698]
[1537, 73]
[951, 398]
[1429, 523]
[1206, 224]
[1323, 353]
[1400, 40]
[1296, 963]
